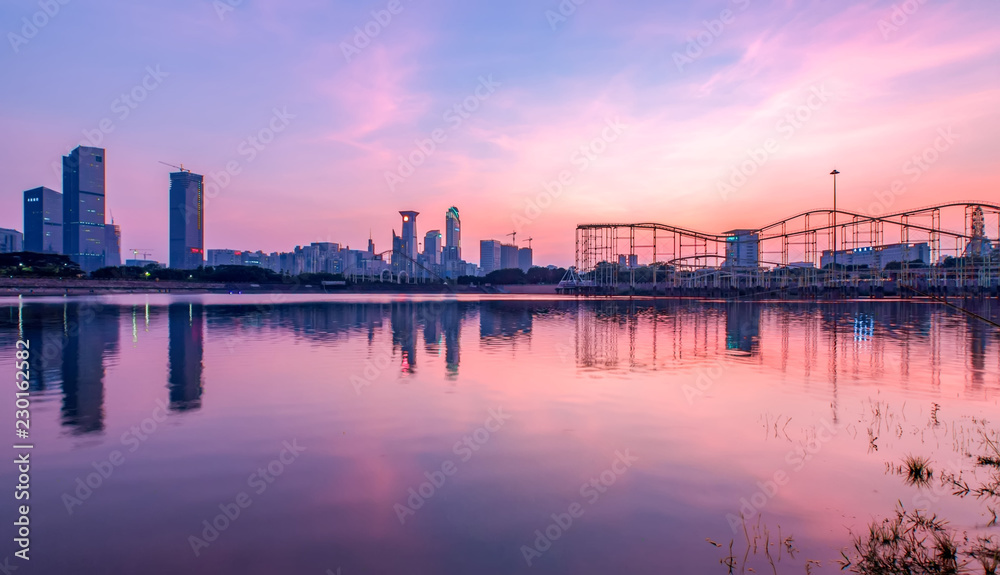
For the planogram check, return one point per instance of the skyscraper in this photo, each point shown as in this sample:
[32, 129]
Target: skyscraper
[187, 220]
[489, 255]
[453, 235]
[508, 256]
[83, 207]
[408, 239]
[112, 244]
[43, 221]
[432, 247]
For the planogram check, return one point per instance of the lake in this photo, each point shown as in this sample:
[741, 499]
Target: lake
[226, 434]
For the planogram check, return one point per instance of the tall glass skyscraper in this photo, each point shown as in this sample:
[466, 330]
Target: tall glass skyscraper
[453, 235]
[408, 239]
[43, 221]
[187, 220]
[83, 207]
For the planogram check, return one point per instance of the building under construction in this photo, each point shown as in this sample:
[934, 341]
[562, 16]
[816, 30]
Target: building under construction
[945, 248]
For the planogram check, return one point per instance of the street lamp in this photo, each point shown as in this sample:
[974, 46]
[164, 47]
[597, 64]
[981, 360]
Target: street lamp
[834, 174]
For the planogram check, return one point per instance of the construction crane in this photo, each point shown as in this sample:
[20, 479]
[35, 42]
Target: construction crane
[180, 167]
[529, 242]
[141, 251]
[513, 237]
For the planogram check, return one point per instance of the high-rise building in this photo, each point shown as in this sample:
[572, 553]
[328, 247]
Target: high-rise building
[11, 241]
[489, 256]
[43, 221]
[113, 244]
[453, 236]
[524, 256]
[408, 239]
[742, 249]
[83, 207]
[187, 220]
[432, 247]
[508, 256]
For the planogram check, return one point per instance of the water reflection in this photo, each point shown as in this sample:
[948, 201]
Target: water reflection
[90, 340]
[185, 352]
[828, 342]
[702, 392]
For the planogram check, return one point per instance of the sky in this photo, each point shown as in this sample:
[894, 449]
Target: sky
[320, 121]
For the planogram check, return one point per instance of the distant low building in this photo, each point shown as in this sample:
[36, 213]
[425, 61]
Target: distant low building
[224, 257]
[11, 241]
[524, 257]
[112, 245]
[143, 263]
[878, 257]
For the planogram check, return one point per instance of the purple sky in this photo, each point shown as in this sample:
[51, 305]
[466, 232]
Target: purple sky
[665, 99]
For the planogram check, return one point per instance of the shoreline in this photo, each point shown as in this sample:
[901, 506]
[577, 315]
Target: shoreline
[49, 287]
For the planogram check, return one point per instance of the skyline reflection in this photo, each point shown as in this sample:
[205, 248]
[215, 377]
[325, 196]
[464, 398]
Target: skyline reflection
[710, 396]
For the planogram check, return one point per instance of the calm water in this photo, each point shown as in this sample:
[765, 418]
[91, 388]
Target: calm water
[584, 437]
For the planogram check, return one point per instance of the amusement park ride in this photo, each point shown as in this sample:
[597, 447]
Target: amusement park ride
[919, 248]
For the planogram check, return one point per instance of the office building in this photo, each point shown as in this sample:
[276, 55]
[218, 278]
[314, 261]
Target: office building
[524, 256]
[187, 220]
[83, 207]
[453, 235]
[742, 249]
[489, 256]
[11, 241]
[43, 221]
[112, 245]
[225, 258]
[508, 256]
[432, 247]
[408, 241]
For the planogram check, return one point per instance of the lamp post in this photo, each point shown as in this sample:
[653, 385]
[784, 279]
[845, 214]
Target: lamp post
[834, 174]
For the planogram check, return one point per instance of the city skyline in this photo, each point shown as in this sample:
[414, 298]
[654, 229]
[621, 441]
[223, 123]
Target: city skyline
[676, 98]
